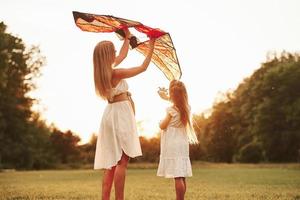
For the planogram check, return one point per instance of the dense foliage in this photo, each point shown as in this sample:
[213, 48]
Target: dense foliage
[259, 121]
[25, 140]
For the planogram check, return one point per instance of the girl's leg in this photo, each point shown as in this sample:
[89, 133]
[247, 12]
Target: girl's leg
[107, 181]
[119, 178]
[180, 188]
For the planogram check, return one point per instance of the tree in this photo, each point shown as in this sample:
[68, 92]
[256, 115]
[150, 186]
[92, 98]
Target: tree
[65, 146]
[88, 150]
[19, 128]
[219, 137]
[150, 148]
[277, 114]
[259, 121]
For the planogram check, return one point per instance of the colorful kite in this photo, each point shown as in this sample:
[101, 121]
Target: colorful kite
[164, 56]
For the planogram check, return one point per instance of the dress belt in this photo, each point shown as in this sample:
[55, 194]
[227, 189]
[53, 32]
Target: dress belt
[125, 96]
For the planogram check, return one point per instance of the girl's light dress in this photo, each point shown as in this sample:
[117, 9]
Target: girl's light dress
[174, 149]
[117, 133]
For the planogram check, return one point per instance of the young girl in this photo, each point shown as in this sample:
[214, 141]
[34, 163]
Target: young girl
[117, 139]
[177, 133]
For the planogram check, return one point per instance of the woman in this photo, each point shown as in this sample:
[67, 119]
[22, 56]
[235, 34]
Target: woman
[118, 139]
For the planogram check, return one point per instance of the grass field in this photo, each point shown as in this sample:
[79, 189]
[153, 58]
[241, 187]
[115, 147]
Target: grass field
[210, 181]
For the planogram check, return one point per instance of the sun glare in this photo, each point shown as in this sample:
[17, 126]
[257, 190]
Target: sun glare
[148, 128]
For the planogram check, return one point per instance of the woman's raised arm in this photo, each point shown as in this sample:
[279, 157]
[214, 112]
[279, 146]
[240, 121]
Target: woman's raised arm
[130, 72]
[124, 49]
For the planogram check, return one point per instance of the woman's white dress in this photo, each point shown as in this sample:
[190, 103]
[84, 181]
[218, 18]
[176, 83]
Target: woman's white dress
[174, 149]
[117, 132]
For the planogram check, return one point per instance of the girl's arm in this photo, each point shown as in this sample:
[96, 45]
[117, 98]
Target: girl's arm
[124, 49]
[165, 122]
[163, 93]
[127, 73]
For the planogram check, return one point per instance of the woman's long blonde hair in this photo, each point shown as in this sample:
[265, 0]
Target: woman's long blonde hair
[103, 59]
[179, 97]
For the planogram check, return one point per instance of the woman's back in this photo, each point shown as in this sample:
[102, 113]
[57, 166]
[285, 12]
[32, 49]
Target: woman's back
[121, 87]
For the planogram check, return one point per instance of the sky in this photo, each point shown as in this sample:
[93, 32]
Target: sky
[218, 44]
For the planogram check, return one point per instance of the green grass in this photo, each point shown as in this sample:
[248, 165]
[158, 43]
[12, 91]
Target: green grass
[210, 181]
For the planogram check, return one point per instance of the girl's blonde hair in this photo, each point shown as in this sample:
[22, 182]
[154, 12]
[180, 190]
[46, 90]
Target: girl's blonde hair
[103, 59]
[179, 97]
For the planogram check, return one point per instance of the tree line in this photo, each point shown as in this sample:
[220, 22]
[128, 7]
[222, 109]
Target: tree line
[260, 120]
[257, 122]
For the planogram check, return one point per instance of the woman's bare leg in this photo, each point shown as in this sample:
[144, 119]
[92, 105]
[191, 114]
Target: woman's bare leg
[108, 178]
[119, 178]
[180, 188]
[184, 185]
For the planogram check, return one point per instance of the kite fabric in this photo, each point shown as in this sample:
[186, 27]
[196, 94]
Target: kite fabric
[164, 55]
